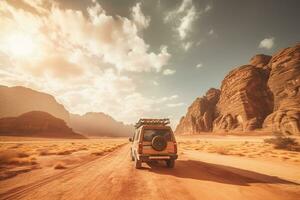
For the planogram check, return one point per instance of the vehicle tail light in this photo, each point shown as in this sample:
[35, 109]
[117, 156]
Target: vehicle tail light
[175, 147]
[140, 149]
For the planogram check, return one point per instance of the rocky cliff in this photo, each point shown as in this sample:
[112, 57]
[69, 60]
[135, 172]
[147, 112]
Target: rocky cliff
[200, 115]
[15, 101]
[99, 124]
[245, 100]
[36, 124]
[284, 83]
[262, 94]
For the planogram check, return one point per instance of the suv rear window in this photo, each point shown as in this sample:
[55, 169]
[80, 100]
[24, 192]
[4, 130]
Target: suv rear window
[149, 134]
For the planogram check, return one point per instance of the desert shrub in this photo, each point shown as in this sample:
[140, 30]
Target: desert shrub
[65, 152]
[21, 162]
[12, 157]
[82, 149]
[60, 166]
[23, 155]
[7, 156]
[283, 142]
[45, 152]
[222, 150]
[99, 153]
[16, 146]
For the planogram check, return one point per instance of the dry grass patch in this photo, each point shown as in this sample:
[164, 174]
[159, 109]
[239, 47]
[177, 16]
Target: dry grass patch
[284, 142]
[221, 150]
[257, 148]
[99, 153]
[13, 157]
[14, 162]
[23, 155]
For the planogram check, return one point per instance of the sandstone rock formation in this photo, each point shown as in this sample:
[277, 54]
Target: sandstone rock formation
[260, 60]
[200, 114]
[99, 124]
[245, 100]
[263, 94]
[15, 101]
[284, 82]
[36, 124]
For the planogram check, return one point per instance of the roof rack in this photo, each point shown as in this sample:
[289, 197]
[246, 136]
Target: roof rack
[162, 122]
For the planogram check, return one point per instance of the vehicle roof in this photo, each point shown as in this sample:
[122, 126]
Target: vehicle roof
[155, 127]
[151, 121]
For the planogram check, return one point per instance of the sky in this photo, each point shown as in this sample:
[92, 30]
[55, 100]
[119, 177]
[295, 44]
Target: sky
[136, 58]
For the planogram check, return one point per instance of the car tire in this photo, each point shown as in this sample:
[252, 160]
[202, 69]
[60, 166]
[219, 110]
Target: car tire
[170, 163]
[138, 164]
[131, 155]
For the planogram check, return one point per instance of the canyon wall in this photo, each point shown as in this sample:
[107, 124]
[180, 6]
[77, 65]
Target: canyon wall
[200, 114]
[284, 83]
[261, 95]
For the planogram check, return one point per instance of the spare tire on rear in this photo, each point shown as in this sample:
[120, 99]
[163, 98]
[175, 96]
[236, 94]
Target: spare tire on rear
[159, 143]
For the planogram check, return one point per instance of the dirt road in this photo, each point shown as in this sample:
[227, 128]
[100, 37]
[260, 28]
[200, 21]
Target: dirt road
[114, 177]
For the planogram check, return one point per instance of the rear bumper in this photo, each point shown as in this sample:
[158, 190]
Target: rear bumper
[145, 158]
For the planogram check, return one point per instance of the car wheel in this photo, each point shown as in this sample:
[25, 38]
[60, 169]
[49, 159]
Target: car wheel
[138, 164]
[131, 155]
[170, 163]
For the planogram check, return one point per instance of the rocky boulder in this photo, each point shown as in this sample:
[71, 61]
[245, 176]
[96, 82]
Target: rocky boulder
[284, 83]
[36, 124]
[245, 100]
[200, 114]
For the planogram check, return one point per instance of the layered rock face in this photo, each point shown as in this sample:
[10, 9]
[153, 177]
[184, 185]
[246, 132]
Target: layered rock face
[36, 124]
[284, 83]
[264, 94]
[200, 115]
[260, 60]
[99, 124]
[245, 100]
[15, 101]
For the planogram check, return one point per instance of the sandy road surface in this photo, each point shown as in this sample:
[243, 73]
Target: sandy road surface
[114, 177]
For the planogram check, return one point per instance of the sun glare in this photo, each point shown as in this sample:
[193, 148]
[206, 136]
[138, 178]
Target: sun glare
[20, 45]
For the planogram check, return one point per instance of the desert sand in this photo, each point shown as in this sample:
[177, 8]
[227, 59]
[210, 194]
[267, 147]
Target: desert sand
[111, 175]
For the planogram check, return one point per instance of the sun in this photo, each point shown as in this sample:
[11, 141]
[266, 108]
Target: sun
[20, 45]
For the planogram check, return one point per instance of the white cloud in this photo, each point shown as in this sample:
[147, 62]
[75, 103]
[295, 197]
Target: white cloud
[164, 99]
[186, 46]
[78, 58]
[185, 4]
[139, 18]
[267, 43]
[207, 8]
[155, 83]
[185, 25]
[211, 32]
[199, 65]
[168, 72]
[172, 105]
[186, 14]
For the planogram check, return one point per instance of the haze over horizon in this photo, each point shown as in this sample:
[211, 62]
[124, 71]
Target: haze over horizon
[133, 59]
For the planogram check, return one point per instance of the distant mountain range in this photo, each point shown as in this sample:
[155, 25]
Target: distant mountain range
[37, 124]
[15, 101]
[99, 124]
